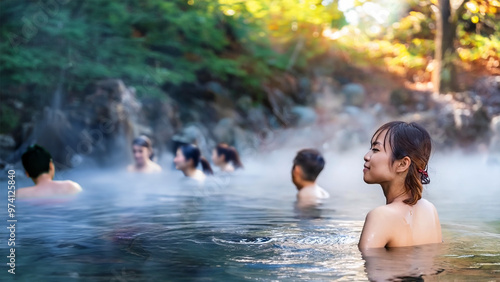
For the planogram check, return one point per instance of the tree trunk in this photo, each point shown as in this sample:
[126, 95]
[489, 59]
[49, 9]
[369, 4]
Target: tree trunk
[444, 76]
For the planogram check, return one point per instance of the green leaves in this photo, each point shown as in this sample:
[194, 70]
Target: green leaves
[145, 43]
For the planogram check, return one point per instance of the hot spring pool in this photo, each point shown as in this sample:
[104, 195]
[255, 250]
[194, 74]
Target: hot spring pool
[127, 227]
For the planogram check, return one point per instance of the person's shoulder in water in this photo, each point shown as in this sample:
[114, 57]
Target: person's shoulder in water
[151, 168]
[307, 165]
[313, 192]
[54, 189]
[396, 225]
[39, 167]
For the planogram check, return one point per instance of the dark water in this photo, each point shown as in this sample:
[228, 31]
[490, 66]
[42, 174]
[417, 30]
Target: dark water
[136, 228]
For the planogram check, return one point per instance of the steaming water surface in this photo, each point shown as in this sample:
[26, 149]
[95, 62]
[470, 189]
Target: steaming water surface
[131, 227]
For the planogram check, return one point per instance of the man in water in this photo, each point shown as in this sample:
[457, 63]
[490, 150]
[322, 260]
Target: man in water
[37, 163]
[307, 165]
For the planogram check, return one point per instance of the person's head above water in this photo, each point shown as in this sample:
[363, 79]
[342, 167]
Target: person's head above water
[187, 159]
[142, 149]
[36, 161]
[226, 157]
[307, 165]
[406, 150]
[39, 167]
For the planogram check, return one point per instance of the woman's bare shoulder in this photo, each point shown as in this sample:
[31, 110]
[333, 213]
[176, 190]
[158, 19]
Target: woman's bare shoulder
[425, 204]
[155, 167]
[385, 211]
[68, 186]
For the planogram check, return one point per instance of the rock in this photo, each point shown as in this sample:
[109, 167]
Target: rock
[488, 88]
[401, 99]
[224, 131]
[217, 89]
[354, 94]
[279, 104]
[196, 134]
[328, 103]
[303, 115]
[163, 117]
[222, 96]
[304, 90]
[256, 117]
[188, 135]
[352, 110]
[244, 103]
[457, 119]
[6, 141]
[495, 125]
[494, 147]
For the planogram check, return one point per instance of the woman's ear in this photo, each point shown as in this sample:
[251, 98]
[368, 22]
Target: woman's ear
[403, 164]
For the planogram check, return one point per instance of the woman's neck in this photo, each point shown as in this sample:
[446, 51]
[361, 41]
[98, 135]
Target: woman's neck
[43, 178]
[143, 166]
[190, 172]
[394, 191]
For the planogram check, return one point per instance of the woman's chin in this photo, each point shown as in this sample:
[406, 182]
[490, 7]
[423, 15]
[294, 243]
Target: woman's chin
[368, 181]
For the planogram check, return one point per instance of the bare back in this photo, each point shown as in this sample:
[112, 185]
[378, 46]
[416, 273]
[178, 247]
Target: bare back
[49, 189]
[311, 195]
[398, 225]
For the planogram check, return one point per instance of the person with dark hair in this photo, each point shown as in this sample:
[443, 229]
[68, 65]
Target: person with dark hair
[307, 165]
[226, 158]
[142, 150]
[37, 163]
[187, 159]
[398, 160]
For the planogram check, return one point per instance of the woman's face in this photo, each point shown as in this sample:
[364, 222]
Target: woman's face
[216, 159]
[180, 161]
[141, 154]
[378, 167]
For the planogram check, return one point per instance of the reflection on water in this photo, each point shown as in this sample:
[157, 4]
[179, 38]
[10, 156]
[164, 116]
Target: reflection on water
[403, 263]
[160, 227]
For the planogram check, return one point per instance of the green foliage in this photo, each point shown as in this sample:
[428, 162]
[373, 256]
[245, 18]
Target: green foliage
[146, 43]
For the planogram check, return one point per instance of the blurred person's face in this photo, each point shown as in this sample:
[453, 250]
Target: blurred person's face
[141, 154]
[180, 160]
[296, 171]
[216, 159]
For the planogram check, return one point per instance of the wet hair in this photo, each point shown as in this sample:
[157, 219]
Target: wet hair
[311, 161]
[192, 152]
[36, 160]
[413, 141]
[230, 154]
[144, 141]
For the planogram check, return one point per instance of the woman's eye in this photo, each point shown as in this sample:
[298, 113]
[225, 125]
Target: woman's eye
[375, 149]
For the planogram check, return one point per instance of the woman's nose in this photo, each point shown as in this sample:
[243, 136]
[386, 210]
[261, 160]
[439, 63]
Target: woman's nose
[367, 157]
